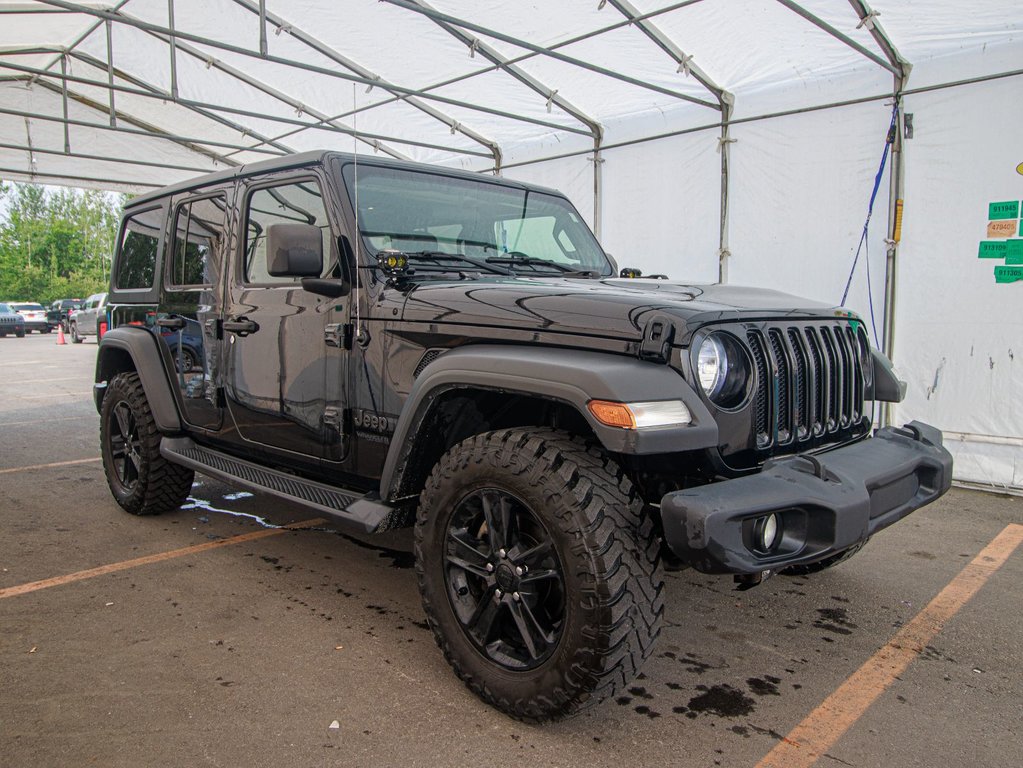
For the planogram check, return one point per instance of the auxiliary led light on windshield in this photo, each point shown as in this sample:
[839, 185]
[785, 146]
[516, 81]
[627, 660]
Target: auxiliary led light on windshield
[391, 261]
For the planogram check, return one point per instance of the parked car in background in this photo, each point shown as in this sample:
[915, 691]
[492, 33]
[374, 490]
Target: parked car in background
[59, 311]
[90, 320]
[34, 314]
[11, 322]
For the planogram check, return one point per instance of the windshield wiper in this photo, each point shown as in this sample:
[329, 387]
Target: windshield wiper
[525, 260]
[442, 256]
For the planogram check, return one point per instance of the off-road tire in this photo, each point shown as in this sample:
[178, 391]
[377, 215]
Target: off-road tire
[75, 338]
[160, 485]
[609, 550]
[827, 562]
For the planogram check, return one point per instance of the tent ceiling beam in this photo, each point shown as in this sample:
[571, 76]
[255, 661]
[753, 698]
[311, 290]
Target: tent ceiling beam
[502, 62]
[16, 174]
[149, 128]
[166, 136]
[33, 149]
[376, 143]
[526, 56]
[92, 28]
[334, 55]
[666, 44]
[821, 24]
[868, 18]
[548, 52]
[150, 92]
[87, 59]
[164, 32]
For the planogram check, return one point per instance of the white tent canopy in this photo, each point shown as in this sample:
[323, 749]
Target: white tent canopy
[732, 140]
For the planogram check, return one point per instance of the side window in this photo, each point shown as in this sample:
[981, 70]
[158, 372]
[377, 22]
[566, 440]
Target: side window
[298, 202]
[136, 260]
[200, 230]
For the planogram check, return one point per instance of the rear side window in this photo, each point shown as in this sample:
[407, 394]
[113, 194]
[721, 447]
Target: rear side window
[200, 229]
[298, 202]
[136, 261]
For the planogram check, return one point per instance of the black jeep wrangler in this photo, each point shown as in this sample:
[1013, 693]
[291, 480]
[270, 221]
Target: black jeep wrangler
[393, 344]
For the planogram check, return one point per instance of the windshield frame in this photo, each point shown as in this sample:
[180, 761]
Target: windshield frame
[592, 258]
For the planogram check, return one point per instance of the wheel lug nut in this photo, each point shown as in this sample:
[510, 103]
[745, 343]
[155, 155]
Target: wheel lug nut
[501, 553]
[498, 594]
[516, 596]
[519, 571]
[490, 567]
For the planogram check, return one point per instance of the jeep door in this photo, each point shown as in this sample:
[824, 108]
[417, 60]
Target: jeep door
[191, 300]
[277, 362]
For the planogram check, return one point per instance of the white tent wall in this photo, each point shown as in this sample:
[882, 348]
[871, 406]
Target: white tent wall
[799, 194]
[661, 206]
[959, 335]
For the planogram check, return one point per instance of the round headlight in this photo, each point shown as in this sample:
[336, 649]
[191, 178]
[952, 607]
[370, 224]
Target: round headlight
[723, 370]
[712, 366]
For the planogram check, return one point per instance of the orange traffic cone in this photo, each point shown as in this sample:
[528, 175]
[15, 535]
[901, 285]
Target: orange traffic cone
[60, 335]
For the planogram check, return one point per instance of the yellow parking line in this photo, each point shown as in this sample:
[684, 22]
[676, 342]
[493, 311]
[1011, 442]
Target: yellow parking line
[103, 570]
[47, 466]
[819, 731]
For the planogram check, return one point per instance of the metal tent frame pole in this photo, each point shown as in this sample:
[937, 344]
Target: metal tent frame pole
[334, 55]
[725, 101]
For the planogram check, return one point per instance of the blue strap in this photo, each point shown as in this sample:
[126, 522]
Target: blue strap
[889, 140]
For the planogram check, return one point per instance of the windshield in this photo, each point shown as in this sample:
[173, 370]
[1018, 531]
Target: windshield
[512, 229]
[4, 309]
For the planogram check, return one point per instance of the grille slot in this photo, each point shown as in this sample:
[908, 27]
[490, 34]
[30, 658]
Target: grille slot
[809, 382]
[760, 400]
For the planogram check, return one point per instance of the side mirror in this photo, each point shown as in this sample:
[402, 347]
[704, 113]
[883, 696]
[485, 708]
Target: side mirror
[294, 250]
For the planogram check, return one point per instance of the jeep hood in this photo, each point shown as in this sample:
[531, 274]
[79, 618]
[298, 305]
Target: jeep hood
[613, 307]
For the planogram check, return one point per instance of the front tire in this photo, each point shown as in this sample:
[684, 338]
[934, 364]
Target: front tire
[142, 481]
[75, 338]
[539, 570]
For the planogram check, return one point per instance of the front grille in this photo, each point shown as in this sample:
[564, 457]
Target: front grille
[809, 382]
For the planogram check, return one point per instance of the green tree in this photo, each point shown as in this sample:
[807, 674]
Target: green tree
[55, 243]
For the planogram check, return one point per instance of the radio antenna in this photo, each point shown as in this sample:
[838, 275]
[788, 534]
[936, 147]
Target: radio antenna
[358, 233]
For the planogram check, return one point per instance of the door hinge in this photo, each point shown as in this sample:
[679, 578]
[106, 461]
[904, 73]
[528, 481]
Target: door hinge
[338, 335]
[215, 328]
[332, 423]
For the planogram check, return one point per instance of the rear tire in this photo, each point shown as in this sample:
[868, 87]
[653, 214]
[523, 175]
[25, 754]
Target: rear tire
[827, 562]
[540, 571]
[75, 338]
[142, 480]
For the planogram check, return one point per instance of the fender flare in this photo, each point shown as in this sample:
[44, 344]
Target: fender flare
[570, 376]
[143, 348]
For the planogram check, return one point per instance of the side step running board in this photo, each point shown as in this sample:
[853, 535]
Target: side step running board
[352, 510]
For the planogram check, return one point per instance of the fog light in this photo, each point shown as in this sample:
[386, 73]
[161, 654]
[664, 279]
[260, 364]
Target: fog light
[765, 532]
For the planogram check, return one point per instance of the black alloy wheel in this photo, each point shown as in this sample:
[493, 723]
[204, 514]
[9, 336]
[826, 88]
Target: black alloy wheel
[504, 579]
[142, 481]
[125, 445]
[539, 568]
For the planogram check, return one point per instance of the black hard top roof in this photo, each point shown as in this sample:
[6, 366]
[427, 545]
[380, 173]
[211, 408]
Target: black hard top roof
[308, 159]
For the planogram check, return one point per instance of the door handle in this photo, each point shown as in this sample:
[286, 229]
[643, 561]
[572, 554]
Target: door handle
[241, 326]
[172, 321]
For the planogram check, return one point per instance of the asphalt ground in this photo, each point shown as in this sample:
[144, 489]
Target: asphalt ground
[218, 651]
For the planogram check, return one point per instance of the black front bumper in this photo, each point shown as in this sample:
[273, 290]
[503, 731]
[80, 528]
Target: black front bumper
[825, 503]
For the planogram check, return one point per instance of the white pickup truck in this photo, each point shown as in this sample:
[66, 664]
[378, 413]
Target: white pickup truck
[90, 320]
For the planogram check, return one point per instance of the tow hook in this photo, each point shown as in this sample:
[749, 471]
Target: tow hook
[746, 581]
